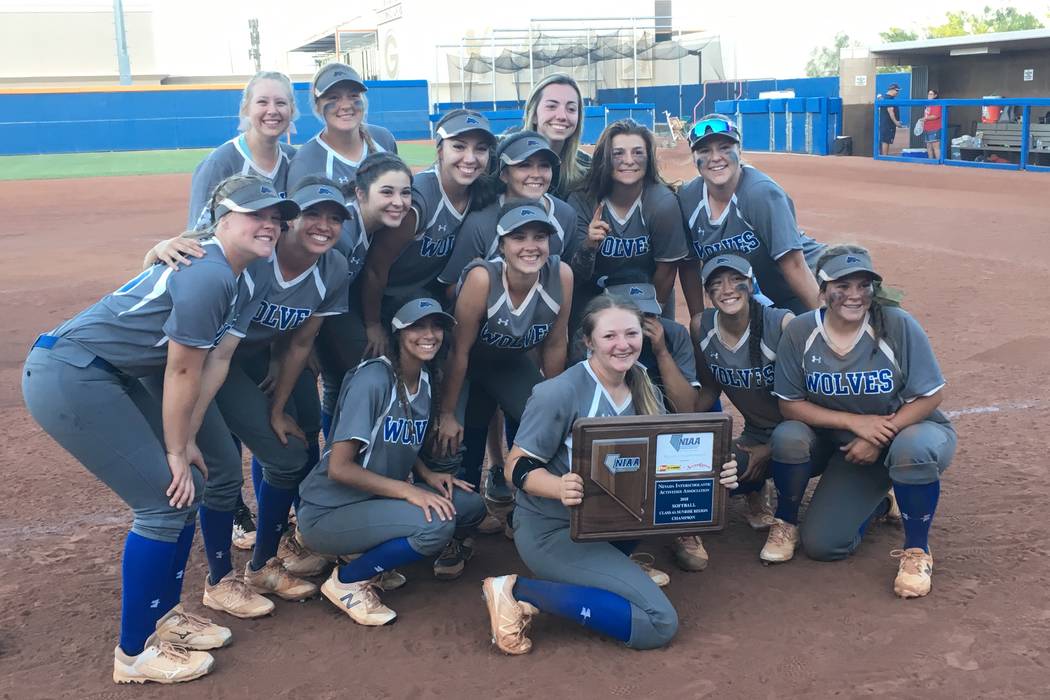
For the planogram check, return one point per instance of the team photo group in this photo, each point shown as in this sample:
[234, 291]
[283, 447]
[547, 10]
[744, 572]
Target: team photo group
[372, 335]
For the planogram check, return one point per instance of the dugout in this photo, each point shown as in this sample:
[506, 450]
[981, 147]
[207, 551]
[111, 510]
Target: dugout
[1013, 65]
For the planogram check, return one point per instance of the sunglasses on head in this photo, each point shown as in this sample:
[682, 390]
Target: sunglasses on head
[714, 125]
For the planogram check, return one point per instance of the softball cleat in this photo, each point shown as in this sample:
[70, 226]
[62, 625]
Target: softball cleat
[297, 558]
[689, 553]
[160, 662]
[759, 514]
[914, 573]
[646, 562]
[191, 631]
[274, 579]
[453, 558]
[508, 618]
[359, 600]
[781, 543]
[231, 595]
[387, 581]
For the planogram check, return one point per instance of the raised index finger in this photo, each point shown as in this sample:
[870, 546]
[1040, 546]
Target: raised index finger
[597, 214]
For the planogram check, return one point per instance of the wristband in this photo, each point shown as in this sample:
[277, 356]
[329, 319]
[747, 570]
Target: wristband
[522, 467]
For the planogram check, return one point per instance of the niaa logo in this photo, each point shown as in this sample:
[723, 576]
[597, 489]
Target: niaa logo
[618, 465]
[680, 441]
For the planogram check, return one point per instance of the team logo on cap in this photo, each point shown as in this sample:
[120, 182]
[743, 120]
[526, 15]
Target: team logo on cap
[852, 260]
[425, 304]
[636, 292]
[325, 190]
[721, 260]
[266, 190]
[532, 142]
[472, 120]
[338, 73]
[526, 212]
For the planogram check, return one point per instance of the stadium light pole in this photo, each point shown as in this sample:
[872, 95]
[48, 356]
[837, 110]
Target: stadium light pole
[123, 63]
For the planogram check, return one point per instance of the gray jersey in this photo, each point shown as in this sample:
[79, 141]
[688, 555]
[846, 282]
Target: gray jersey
[315, 157]
[679, 344]
[477, 236]
[873, 378]
[281, 305]
[369, 411]
[546, 427]
[437, 224]
[748, 386]
[353, 241]
[759, 224]
[130, 328]
[649, 233]
[521, 328]
[231, 158]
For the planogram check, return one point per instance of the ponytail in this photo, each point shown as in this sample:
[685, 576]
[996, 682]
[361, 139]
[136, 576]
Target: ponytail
[756, 324]
[643, 393]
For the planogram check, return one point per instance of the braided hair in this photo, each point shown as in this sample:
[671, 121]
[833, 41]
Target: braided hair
[756, 324]
[876, 315]
[435, 368]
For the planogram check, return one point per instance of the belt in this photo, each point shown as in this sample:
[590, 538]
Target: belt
[48, 341]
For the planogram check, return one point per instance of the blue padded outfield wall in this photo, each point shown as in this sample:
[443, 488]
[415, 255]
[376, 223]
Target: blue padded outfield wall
[595, 117]
[796, 125]
[167, 117]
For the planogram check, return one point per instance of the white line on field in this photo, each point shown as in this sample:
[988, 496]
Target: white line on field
[994, 408]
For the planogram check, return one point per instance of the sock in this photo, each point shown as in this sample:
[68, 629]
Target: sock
[257, 479]
[716, 407]
[791, 481]
[182, 555]
[326, 424]
[593, 608]
[475, 441]
[880, 510]
[313, 456]
[217, 533]
[145, 586]
[918, 503]
[274, 504]
[384, 557]
[626, 546]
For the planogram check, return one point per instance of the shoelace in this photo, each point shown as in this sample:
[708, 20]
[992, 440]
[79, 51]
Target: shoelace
[691, 542]
[196, 622]
[913, 561]
[644, 559]
[370, 594]
[778, 533]
[175, 652]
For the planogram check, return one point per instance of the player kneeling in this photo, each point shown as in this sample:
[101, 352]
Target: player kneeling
[358, 500]
[594, 583]
[860, 387]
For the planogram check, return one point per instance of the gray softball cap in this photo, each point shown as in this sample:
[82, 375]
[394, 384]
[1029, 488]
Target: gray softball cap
[255, 196]
[461, 121]
[309, 195]
[732, 262]
[847, 264]
[334, 73]
[642, 294]
[521, 145]
[526, 213]
[418, 309]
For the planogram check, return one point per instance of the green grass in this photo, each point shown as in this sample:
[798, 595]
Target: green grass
[71, 165]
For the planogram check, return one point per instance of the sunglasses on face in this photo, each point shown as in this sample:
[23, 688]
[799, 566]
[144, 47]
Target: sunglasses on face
[705, 127]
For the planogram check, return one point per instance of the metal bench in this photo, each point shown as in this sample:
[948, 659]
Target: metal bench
[1006, 137]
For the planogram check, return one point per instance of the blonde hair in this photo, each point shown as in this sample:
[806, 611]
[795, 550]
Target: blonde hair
[571, 173]
[315, 98]
[643, 394]
[246, 97]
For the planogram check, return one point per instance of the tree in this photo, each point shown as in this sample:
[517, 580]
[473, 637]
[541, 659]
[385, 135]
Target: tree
[1007, 19]
[824, 60]
[894, 34]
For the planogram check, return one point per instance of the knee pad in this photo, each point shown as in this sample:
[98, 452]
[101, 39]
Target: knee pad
[792, 442]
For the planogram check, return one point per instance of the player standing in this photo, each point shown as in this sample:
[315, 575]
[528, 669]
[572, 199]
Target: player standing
[594, 583]
[81, 384]
[858, 382]
[735, 208]
[358, 500]
[555, 110]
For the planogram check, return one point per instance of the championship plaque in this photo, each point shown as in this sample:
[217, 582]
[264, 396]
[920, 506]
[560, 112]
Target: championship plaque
[645, 475]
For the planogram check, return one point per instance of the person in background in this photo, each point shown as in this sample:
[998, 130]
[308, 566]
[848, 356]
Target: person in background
[889, 120]
[931, 126]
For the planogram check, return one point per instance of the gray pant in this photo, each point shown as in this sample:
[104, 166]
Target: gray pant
[340, 346]
[544, 545]
[503, 379]
[225, 476]
[358, 527]
[114, 427]
[246, 410]
[848, 493]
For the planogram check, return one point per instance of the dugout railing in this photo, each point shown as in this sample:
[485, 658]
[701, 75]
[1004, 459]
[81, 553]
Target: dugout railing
[1000, 133]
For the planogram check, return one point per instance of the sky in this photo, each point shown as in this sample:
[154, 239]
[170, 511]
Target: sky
[760, 39]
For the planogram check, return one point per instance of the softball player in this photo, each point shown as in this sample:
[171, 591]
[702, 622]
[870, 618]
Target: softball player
[383, 198]
[524, 163]
[358, 499]
[406, 261]
[81, 383]
[340, 103]
[733, 207]
[736, 345]
[594, 583]
[267, 113]
[859, 382]
[555, 110]
[505, 307]
[635, 228]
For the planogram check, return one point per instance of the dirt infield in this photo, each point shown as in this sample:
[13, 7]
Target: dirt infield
[970, 249]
